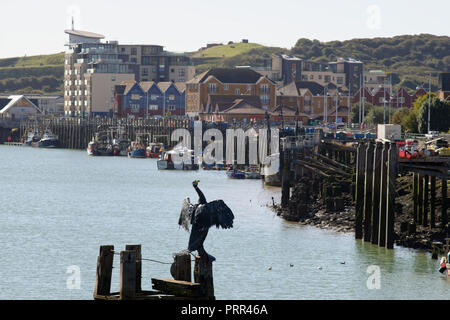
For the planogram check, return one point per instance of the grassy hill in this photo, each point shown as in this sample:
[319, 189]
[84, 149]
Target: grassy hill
[408, 58]
[34, 74]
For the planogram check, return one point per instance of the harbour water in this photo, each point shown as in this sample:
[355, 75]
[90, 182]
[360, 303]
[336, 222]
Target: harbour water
[59, 206]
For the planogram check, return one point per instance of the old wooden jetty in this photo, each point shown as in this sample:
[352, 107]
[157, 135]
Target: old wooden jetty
[178, 288]
[370, 169]
[76, 133]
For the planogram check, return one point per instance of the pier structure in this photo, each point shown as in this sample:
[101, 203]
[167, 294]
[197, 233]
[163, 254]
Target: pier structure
[369, 170]
[180, 287]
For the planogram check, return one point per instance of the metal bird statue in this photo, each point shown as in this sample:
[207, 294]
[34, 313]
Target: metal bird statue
[203, 216]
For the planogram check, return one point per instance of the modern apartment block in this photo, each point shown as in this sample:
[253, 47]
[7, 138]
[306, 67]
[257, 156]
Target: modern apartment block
[444, 85]
[93, 68]
[155, 64]
[353, 70]
[375, 79]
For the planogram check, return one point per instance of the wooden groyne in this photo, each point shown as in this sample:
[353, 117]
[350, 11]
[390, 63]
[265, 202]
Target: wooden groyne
[76, 133]
[364, 187]
[180, 287]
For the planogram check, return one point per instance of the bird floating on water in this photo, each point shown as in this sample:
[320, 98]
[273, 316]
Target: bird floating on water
[203, 216]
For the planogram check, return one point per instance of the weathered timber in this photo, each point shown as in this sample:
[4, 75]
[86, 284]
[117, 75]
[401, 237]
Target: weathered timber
[203, 274]
[425, 200]
[432, 202]
[444, 206]
[383, 197]
[181, 267]
[376, 191]
[390, 193]
[361, 155]
[368, 183]
[177, 287]
[127, 274]
[104, 271]
[415, 197]
[137, 248]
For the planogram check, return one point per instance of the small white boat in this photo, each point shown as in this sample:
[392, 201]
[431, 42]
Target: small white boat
[177, 159]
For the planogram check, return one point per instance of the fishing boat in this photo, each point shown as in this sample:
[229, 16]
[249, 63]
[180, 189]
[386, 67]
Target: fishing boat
[252, 173]
[235, 174]
[271, 170]
[120, 146]
[33, 137]
[154, 150]
[100, 145]
[138, 148]
[177, 159]
[49, 140]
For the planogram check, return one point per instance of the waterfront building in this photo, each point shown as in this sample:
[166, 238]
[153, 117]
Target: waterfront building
[148, 99]
[353, 70]
[93, 69]
[228, 81]
[18, 107]
[49, 104]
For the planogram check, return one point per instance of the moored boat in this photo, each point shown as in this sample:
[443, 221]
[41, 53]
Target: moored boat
[177, 159]
[49, 140]
[32, 137]
[154, 150]
[100, 145]
[271, 170]
[235, 174]
[138, 148]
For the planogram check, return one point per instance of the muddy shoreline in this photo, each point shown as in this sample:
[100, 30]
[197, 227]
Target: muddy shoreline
[334, 210]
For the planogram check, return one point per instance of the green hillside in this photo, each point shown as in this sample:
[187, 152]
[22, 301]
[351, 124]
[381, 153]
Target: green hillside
[408, 58]
[34, 74]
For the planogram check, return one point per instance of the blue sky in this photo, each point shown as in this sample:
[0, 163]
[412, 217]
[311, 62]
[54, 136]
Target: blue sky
[29, 27]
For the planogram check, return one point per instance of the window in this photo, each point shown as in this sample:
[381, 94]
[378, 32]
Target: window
[212, 87]
[172, 70]
[134, 52]
[401, 99]
[172, 107]
[134, 107]
[226, 87]
[153, 107]
[171, 97]
[340, 80]
[265, 88]
[144, 72]
[237, 91]
[154, 97]
[265, 100]
[135, 97]
[311, 77]
[381, 99]
[327, 79]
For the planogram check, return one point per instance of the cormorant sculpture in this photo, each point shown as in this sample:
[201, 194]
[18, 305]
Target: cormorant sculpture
[202, 216]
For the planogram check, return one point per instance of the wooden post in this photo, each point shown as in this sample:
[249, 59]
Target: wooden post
[285, 183]
[360, 163]
[104, 271]
[383, 196]
[444, 203]
[390, 201]
[425, 200]
[415, 198]
[127, 274]
[420, 199]
[137, 248]
[433, 202]
[368, 183]
[181, 267]
[203, 274]
[376, 191]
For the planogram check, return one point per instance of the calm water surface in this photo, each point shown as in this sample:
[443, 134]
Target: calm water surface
[59, 206]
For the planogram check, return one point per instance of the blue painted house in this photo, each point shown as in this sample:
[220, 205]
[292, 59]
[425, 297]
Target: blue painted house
[148, 99]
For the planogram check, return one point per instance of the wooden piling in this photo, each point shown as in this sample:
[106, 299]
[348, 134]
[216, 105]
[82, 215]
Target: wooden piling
[203, 274]
[368, 183]
[361, 155]
[104, 271]
[390, 201]
[181, 267]
[425, 200]
[383, 197]
[285, 174]
[127, 274]
[433, 202]
[415, 197]
[376, 191]
[444, 218]
[137, 249]
[420, 200]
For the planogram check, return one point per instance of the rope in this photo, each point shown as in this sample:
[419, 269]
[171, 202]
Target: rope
[152, 260]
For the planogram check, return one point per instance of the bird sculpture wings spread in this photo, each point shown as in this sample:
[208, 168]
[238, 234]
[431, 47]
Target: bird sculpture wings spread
[187, 211]
[205, 216]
